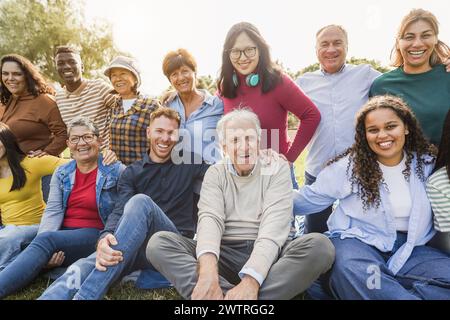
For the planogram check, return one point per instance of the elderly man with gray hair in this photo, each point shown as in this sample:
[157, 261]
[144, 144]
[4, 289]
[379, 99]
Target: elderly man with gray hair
[242, 249]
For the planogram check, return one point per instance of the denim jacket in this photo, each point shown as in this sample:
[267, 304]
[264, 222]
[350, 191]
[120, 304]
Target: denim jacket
[61, 186]
[374, 226]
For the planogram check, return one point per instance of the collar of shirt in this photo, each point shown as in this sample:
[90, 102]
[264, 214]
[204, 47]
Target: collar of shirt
[146, 160]
[233, 171]
[77, 91]
[330, 74]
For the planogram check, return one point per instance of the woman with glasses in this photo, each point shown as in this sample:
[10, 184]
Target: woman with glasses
[82, 195]
[420, 77]
[21, 204]
[249, 78]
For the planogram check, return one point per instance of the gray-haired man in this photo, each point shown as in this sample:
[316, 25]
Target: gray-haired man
[245, 211]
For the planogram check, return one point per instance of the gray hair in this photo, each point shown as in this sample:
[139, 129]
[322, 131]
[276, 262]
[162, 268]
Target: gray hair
[241, 114]
[341, 28]
[81, 121]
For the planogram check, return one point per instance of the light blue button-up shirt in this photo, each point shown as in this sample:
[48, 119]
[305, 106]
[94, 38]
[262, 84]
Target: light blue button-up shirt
[374, 226]
[200, 135]
[338, 97]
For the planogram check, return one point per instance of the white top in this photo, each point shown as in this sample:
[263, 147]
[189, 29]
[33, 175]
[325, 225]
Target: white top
[127, 104]
[399, 193]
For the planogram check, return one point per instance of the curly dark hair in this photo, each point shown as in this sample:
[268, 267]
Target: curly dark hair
[36, 83]
[366, 173]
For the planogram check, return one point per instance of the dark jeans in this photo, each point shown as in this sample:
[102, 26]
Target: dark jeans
[46, 187]
[316, 222]
[75, 243]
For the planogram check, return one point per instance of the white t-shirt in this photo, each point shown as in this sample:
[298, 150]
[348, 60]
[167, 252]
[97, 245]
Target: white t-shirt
[127, 104]
[399, 193]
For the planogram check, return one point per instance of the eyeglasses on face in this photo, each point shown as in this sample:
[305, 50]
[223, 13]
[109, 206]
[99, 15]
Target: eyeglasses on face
[249, 52]
[88, 138]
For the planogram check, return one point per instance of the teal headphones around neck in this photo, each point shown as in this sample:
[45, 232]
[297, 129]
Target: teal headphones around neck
[252, 80]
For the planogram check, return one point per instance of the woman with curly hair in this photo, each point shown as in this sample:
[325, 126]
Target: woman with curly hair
[383, 219]
[28, 107]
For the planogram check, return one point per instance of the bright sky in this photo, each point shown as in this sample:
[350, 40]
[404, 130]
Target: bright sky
[148, 29]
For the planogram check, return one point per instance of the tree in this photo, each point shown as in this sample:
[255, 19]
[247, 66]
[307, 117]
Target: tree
[34, 28]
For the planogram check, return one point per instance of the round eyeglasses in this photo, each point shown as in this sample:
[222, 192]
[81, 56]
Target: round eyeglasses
[88, 138]
[249, 52]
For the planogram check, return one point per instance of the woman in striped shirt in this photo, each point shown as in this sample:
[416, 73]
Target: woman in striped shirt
[438, 191]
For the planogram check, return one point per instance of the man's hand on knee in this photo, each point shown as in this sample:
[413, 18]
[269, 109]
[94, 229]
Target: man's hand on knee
[106, 256]
[247, 289]
[207, 287]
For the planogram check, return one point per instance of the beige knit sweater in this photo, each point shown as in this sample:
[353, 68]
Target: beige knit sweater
[256, 207]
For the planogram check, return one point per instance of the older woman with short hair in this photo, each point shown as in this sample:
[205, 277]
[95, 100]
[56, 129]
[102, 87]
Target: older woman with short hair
[82, 195]
[199, 110]
[130, 115]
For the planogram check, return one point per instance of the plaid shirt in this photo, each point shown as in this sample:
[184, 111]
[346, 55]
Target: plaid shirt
[128, 137]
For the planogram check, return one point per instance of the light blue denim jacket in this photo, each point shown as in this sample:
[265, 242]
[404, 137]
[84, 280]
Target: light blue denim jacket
[61, 186]
[374, 226]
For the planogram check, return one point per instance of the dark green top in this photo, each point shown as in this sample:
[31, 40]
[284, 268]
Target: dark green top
[427, 94]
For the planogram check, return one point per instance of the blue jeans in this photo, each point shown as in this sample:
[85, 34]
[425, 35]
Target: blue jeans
[75, 243]
[141, 219]
[316, 222]
[13, 239]
[360, 272]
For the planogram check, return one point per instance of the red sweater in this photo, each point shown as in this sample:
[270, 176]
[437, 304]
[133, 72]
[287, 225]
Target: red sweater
[272, 109]
[82, 211]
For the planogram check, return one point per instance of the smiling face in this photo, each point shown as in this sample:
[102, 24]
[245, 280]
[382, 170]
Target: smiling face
[70, 68]
[14, 78]
[416, 46]
[163, 135]
[241, 145]
[83, 151]
[244, 64]
[183, 79]
[331, 49]
[385, 134]
[123, 82]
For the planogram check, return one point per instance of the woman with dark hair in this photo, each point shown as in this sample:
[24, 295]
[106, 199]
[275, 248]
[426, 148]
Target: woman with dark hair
[438, 190]
[420, 78]
[82, 195]
[249, 78]
[130, 115]
[383, 220]
[28, 107]
[199, 110]
[21, 204]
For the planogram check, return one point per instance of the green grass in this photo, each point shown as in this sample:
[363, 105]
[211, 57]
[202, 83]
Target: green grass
[128, 291]
[123, 291]
[300, 168]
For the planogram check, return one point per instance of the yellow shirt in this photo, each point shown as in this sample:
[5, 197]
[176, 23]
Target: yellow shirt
[25, 206]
